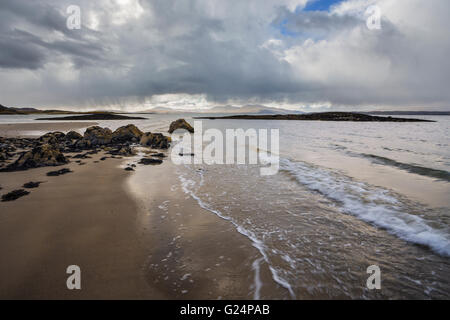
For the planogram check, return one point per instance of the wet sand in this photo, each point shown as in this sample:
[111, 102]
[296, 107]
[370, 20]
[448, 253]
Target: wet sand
[194, 254]
[130, 242]
[29, 129]
[83, 218]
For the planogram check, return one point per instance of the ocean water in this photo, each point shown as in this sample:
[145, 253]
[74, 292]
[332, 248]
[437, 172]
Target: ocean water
[347, 195]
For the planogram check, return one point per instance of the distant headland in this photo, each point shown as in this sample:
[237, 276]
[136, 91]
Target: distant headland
[320, 116]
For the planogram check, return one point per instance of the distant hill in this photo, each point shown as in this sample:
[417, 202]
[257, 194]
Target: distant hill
[247, 109]
[23, 111]
[6, 110]
[411, 113]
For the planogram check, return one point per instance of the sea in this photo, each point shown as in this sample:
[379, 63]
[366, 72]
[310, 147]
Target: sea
[346, 196]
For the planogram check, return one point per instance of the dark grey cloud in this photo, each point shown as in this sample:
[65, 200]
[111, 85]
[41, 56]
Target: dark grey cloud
[18, 53]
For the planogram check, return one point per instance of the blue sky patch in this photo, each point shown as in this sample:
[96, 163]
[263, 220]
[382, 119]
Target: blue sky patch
[320, 5]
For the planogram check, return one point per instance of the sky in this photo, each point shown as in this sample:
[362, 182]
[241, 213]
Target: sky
[195, 54]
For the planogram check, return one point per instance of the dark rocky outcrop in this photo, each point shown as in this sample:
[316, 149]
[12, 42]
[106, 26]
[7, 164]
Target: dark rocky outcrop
[155, 140]
[15, 194]
[128, 133]
[40, 156]
[49, 149]
[180, 124]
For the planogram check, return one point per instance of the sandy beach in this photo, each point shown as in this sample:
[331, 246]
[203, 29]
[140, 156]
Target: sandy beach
[127, 244]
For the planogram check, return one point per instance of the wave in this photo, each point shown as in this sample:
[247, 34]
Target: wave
[370, 204]
[423, 171]
[188, 187]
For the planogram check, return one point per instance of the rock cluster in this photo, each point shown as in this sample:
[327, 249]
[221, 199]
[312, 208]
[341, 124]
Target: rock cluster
[41, 156]
[49, 149]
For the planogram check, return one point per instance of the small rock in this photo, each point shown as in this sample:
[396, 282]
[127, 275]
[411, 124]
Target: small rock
[147, 161]
[129, 169]
[125, 151]
[59, 172]
[13, 195]
[159, 155]
[31, 184]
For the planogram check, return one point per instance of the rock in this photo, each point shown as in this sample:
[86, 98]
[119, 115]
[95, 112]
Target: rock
[180, 124]
[52, 137]
[59, 172]
[82, 156]
[155, 140]
[159, 155]
[103, 158]
[73, 135]
[125, 151]
[13, 195]
[31, 184]
[5, 156]
[147, 161]
[129, 169]
[97, 136]
[128, 133]
[40, 156]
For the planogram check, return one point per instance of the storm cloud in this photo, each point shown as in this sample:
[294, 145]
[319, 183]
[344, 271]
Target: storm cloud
[207, 52]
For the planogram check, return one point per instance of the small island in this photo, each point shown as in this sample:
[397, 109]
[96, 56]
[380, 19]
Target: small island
[95, 116]
[320, 116]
